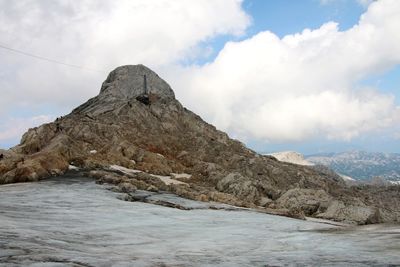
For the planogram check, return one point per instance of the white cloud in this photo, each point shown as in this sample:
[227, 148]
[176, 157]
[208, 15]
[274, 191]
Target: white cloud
[364, 3]
[14, 127]
[303, 85]
[101, 35]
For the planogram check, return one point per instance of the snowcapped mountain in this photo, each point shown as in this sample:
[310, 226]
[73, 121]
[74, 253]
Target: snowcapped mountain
[291, 157]
[361, 165]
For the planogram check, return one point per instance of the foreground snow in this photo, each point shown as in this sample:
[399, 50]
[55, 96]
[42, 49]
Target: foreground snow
[74, 222]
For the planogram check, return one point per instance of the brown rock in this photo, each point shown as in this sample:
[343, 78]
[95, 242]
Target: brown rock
[127, 187]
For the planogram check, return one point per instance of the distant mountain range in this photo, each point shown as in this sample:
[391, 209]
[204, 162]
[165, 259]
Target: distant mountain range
[361, 165]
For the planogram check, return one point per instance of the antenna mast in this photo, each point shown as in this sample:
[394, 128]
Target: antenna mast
[144, 98]
[145, 84]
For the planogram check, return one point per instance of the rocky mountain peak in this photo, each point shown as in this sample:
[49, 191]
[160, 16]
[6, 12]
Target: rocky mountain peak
[127, 82]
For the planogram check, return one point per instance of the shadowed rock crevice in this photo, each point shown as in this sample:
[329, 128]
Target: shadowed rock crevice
[161, 138]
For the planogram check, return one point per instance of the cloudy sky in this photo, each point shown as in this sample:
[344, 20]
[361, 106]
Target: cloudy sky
[312, 75]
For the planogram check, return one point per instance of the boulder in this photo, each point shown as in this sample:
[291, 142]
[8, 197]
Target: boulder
[127, 187]
[308, 200]
[239, 186]
[360, 214]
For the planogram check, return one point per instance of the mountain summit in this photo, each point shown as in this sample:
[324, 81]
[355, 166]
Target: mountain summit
[128, 83]
[137, 135]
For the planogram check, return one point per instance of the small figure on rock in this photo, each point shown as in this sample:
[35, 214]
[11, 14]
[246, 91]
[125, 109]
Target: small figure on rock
[1, 156]
[58, 127]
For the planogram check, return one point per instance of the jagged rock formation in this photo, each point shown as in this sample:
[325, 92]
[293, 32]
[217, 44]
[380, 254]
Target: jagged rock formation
[164, 138]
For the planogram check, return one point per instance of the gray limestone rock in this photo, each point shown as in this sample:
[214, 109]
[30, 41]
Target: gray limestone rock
[122, 87]
[360, 214]
[126, 83]
[308, 200]
[239, 186]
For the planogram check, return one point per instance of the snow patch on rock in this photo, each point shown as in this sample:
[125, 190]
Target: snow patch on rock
[72, 167]
[123, 169]
[183, 176]
[346, 178]
[168, 180]
[165, 179]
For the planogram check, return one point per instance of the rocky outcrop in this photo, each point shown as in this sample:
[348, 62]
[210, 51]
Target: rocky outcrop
[311, 202]
[361, 214]
[163, 137]
[127, 82]
[240, 186]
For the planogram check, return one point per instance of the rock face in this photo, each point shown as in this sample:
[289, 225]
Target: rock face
[127, 83]
[161, 138]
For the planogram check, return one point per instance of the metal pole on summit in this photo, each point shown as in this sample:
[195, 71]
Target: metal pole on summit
[145, 84]
[144, 98]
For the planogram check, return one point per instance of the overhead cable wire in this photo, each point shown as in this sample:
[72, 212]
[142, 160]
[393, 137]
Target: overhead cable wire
[47, 59]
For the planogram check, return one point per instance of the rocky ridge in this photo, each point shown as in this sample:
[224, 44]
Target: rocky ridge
[165, 139]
